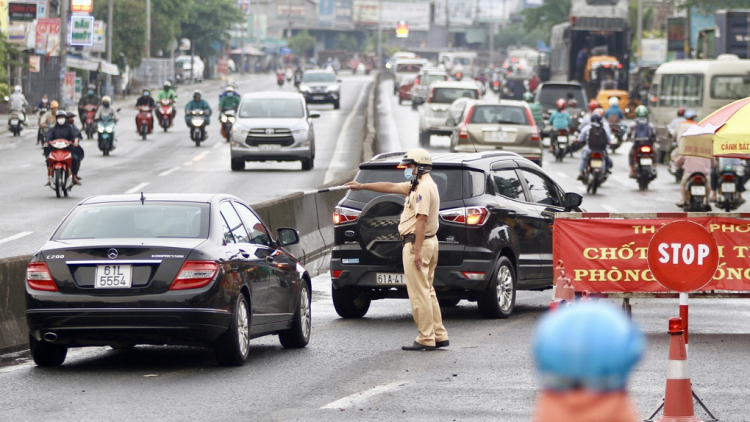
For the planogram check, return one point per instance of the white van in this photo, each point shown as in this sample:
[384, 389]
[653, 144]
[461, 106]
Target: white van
[458, 61]
[700, 85]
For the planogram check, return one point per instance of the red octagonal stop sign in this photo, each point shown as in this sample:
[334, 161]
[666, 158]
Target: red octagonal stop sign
[683, 256]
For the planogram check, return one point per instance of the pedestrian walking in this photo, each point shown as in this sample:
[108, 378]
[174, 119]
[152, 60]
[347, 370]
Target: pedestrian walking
[417, 228]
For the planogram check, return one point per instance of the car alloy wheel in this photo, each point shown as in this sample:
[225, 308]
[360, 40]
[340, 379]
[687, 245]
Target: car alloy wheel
[298, 335]
[499, 298]
[233, 347]
[243, 328]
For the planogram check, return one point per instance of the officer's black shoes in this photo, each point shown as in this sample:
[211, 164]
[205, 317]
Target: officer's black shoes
[417, 347]
[444, 343]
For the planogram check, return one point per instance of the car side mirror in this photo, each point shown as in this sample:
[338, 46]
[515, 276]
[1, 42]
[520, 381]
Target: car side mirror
[314, 115]
[287, 236]
[572, 200]
[338, 80]
[451, 121]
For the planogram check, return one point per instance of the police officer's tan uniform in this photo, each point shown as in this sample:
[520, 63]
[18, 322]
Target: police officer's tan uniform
[424, 200]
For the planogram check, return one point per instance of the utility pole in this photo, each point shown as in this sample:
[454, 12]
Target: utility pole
[110, 89]
[380, 34]
[639, 31]
[447, 25]
[242, 45]
[64, 11]
[148, 43]
[492, 35]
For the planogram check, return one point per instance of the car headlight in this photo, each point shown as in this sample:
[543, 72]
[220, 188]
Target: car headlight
[333, 87]
[304, 88]
[240, 131]
[300, 130]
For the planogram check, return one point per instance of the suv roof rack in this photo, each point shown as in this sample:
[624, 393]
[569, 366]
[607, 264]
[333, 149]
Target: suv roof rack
[385, 155]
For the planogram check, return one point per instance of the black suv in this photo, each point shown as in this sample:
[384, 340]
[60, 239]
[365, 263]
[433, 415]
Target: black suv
[321, 86]
[495, 234]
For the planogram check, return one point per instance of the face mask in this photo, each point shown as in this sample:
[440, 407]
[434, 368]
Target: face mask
[44, 100]
[145, 94]
[106, 105]
[408, 174]
[91, 92]
[61, 121]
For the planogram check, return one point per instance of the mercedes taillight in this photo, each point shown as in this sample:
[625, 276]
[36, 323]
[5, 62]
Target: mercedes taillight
[194, 275]
[38, 277]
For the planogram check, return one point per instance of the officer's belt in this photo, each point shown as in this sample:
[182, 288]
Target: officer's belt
[411, 238]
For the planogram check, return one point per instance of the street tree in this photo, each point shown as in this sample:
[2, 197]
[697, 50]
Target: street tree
[514, 34]
[303, 44]
[710, 6]
[544, 17]
[129, 32]
[209, 22]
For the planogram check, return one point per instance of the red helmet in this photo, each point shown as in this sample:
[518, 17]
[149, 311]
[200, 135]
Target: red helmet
[680, 111]
[561, 104]
[593, 105]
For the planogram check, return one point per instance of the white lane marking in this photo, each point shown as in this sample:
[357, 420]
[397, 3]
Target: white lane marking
[170, 171]
[562, 174]
[15, 237]
[188, 163]
[201, 156]
[609, 208]
[137, 187]
[217, 145]
[337, 161]
[352, 400]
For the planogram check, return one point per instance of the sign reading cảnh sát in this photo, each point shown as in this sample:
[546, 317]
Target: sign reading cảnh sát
[610, 255]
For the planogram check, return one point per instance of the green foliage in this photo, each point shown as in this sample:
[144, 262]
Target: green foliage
[514, 34]
[10, 56]
[543, 18]
[303, 44]
[209, 21]
[129, 35]
[710, 6]
[347, 43]
[166, 21]
[649, 15]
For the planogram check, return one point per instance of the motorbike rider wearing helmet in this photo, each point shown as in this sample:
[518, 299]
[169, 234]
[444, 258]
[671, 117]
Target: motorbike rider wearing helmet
[18, 102]
[614, 113]
[48, 119]
[89, 98]
[230, 101]
[64, 130]
[536, 109]
[559, 119]
[677, 120]
[167, 93]
[43, 105]
[586, 119]
[417, 227]
[230, 89]
[594, 137]
[691, 164]
[197, 103]
[145, 100]
[641, 132]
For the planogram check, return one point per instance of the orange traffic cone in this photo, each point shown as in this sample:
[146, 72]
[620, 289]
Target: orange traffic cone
[560, 282]
[678, 399]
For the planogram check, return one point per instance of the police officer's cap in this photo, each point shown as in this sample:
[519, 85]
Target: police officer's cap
[417, 156]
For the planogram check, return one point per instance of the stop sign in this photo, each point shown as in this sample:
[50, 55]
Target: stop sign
[683, 256]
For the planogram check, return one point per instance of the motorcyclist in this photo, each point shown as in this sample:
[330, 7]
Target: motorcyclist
[594, 137]
[89, 98]
[43, 105]
[641, 132]
[586, 119]
[145, 100]
[18, 102]
[47, 120]
[230, 89]
[197, 104]
[230, 101]
[614, 113]
[167, 93]
[106, 110]
[298, 73]
[536, 109]
[740, 180]
[677, 120]
[559, 119]
[64, 130]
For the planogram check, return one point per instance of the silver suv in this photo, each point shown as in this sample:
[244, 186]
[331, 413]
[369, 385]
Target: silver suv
[432, 117]
[273, 126]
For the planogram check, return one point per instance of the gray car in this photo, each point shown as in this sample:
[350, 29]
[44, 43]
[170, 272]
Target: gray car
[273, 126]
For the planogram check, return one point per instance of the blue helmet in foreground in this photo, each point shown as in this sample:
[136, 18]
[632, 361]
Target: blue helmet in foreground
[591, 346]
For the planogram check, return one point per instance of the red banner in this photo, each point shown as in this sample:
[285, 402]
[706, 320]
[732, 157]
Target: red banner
[610, 255]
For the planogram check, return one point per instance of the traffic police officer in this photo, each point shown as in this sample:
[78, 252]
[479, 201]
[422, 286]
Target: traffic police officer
[418, 226]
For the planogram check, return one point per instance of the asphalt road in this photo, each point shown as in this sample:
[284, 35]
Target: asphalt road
[170, 162]
[354, 370]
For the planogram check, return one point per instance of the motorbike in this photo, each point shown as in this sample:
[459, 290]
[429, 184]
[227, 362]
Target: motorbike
[695, 194]
[618, 133]
[561, 145]
[89, 125]
[297, 79]
[59, 167]
[280, 79]
[197, 125]
[644, 159]
[144, 120]
[41, 134]
[458, 76]
[289, 75]
[730, 179]
[496, 87]
[368, 68]
[15, 123]
[105, 126]
[594, 174]
[166, 113]
[227, 118]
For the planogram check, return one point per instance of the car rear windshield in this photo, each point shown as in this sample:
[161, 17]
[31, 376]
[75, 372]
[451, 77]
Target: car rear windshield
[259, 108]
[499, 114]
[319, 77]
[448, 95]
[136, 221]
[448, 181]
[408, 68]
[551, 93]
[428, 79]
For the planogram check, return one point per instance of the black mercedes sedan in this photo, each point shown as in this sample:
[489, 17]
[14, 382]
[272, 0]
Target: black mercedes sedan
[165, 269]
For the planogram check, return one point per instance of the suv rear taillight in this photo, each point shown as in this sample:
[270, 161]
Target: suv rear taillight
[470, 216]
[343, 215]
[535, 134]
[429, 98]
[463, 131]
[194, 275]
[39, 278]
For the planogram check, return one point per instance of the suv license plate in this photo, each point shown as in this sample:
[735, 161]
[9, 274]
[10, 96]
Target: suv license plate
[728, 188]
[390, 278]
[647, 162]
[113, 276]
[698, 190]
[597, 164]
[319, 97]
[269, 147]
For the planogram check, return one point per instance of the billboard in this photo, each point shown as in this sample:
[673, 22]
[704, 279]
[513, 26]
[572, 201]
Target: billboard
[462, 12]
[326, 12]
[100, 37]
[22, 12]
[344, 12]
[48, 36]
[81, 6]
[365, 12]
[416, 14]
[676, 34]
[81, 30]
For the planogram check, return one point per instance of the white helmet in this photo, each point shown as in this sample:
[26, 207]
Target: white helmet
[106, 99]
[17, 89]
[417, 156]
[613, 101]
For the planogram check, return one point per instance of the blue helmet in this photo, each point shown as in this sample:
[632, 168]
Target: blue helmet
[591, 346]
[690, 114]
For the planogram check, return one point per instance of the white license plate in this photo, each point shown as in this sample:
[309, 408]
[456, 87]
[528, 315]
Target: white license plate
[269, 147]
[597, 164]
[698, 190]
[562, 139]
[647, 162]
[389, 278]
[14, 121]
[499, 136]
[113, 276]
[728, 188]
[319, 97]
